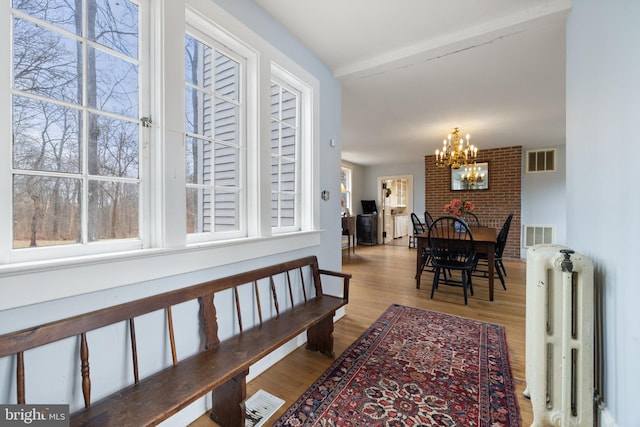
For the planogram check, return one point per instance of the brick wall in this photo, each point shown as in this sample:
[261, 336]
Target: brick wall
[492, 205]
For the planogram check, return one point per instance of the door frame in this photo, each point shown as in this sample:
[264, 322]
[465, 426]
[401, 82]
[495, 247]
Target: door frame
[380, 200]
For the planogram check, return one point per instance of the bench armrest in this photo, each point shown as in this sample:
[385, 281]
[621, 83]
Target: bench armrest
[345, 281]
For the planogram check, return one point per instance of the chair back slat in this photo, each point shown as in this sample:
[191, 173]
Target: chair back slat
[172, 339]
[304, 288]
[237, 302]
[209, 321]
[20, 378]
[274, 293]
[134, 350]
[290, 290]
[255, 289]
[84, 369]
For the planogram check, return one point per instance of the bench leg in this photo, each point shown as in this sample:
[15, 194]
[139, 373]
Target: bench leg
[320, 336]
[228, 408]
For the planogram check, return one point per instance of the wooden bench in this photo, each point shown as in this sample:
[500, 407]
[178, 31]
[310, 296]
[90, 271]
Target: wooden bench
[220, 367]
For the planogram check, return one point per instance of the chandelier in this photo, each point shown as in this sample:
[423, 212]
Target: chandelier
[455, 152]
[472, 175]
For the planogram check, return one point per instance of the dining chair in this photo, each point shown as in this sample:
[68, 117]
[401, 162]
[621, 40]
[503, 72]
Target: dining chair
[501, 242]
[452, 250]
[472, 219]
[425, 257]
[428, 219]
[418, 227]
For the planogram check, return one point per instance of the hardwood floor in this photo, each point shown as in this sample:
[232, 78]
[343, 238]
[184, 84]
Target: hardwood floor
[382, 275]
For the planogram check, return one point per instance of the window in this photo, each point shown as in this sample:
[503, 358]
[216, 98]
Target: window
[213, 146]
[285, 136]
[541, 161]
[89, 177]
[345, 189]
[76, 99]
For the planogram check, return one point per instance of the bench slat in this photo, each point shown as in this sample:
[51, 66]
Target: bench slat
[163, 394]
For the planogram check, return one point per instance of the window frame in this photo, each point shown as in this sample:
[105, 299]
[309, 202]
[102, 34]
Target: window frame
[218, 40]
[11, 255]
[346, 174]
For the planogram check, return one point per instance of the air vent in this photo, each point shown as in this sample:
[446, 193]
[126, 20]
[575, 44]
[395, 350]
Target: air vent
[541, 161]
[537, 235]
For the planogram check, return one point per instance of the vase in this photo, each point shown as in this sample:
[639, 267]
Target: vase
[459, 227]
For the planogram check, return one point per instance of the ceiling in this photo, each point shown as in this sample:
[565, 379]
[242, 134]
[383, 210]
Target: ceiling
[412, 70]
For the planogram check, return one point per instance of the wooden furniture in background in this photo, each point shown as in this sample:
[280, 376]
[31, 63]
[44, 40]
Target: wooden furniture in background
[349, 230]
[220, 367]
[367, 229]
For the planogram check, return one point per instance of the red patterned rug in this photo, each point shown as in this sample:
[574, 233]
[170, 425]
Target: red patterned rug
[415, 367]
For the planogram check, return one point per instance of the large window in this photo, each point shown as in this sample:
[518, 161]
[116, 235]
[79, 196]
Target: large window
[144, 150]
[76, 96]
[214, 139]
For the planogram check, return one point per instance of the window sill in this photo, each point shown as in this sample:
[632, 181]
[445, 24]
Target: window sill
[40, 281]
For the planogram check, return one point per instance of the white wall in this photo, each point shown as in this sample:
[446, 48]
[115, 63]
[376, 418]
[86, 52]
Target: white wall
[54, 382]
[544, 196]
[603, 201]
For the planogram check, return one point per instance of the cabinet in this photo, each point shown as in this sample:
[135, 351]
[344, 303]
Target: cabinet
[367, 229]
[400, 226]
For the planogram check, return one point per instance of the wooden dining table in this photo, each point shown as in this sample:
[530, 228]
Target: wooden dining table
[484, 240]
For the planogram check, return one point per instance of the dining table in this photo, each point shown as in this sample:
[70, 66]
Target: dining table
[484, 240]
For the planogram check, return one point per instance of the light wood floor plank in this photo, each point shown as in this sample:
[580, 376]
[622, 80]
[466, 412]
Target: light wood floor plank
[382, 275]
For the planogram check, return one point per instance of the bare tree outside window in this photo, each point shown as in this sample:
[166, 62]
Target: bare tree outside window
[75, 144]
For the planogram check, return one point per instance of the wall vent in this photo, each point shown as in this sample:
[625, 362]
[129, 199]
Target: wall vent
[537, 235]
[541, 161]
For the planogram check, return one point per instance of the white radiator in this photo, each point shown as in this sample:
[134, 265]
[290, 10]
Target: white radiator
[559, 340]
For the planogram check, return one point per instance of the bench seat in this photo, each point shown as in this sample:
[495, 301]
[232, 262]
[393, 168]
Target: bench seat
[172, 389]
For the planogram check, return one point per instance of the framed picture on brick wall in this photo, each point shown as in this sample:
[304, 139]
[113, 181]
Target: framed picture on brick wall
[472, 177]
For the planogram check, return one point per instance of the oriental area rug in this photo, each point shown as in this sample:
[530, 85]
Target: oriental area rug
[415, 367]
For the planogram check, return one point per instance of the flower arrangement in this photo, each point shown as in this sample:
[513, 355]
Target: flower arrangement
[459, 207]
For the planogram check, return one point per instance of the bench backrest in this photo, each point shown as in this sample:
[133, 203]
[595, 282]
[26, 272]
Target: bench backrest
[17, 343]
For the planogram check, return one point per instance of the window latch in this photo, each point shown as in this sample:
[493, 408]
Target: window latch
[146, 121]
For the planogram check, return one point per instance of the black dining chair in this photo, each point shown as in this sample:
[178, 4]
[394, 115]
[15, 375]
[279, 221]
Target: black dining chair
[428, 219]
[452, 249]
[472, 219]
[483, 259]
[418, 227]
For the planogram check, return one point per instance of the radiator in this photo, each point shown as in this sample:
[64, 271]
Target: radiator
[559, 336]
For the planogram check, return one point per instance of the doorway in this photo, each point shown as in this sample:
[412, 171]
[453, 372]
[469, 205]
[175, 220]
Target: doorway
[395, 197]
